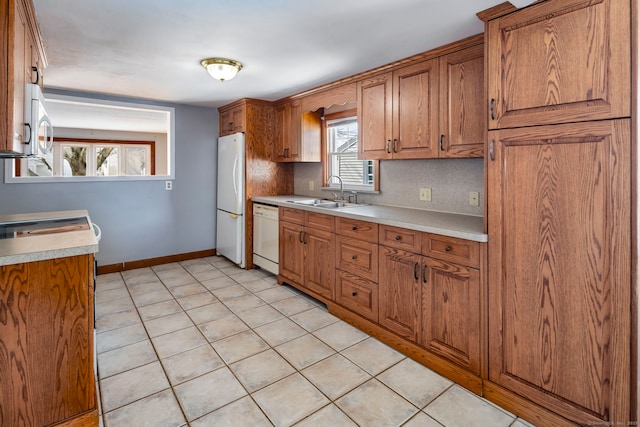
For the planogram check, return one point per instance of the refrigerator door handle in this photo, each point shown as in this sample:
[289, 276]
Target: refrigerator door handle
[235, 178]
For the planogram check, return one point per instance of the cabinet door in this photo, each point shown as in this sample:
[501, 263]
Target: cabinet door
[415, 110]
[375, 105]
[226, 123]
[291, 252]
[288, 131]
[319, 265]
[357, 294]
[451, 312]
[238, 115]
[21, 63]
[462, 123]
[399, 292]
[559, 267]
[560, 62]
[46, 339]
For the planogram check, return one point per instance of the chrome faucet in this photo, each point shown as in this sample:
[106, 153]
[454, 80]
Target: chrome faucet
[341, 188]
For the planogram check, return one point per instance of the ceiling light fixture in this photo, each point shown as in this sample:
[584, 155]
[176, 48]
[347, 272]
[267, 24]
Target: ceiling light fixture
[221, 68]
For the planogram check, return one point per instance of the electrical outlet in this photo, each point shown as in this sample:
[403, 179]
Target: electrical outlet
[168, 185]
[474, 197]
[425, 194]
[311, 185]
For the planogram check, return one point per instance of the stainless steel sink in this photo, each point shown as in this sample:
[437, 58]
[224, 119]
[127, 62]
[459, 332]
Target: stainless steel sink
[325, 203]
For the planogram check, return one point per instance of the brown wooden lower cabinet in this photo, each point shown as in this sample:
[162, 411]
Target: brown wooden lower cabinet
[306, 259]
[46, 343]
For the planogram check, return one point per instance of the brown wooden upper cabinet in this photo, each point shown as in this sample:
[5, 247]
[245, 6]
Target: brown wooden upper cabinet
[232, 120]
[559, 62]
[425, 110]
[20, 36]
[297, 133]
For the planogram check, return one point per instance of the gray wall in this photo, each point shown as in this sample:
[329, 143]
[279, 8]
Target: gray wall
[450, 181]
[140, 219]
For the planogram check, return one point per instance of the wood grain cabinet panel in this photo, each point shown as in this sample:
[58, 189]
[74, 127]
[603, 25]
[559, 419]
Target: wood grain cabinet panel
[46, 342]
[399, 292]
[358, 257]
[462, 124]
[363, 230]
[297, 133]
[559, 62]
[559, 273]
[232, 120]
[305, 251]
[400, 238]
[357, 294]
[428, 109]
[461, 251]
[451, 299]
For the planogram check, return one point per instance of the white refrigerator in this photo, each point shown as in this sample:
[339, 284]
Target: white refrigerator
[230, 219]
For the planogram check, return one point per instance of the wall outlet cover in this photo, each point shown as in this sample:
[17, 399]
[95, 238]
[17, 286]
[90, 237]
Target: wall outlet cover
[168, 185]
[425, 194]
[311, 185]
[474, 198]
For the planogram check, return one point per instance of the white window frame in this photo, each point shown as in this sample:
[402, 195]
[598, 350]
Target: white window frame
[9, 169]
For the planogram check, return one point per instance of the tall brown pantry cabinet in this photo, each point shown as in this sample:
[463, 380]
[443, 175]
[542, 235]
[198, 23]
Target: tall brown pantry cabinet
[559, 195]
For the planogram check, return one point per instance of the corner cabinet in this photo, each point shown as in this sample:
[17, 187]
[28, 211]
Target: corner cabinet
[428, 109]
[21, 52]
[46, 343]
[297, 133]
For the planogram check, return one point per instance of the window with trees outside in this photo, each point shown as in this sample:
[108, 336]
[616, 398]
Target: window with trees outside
[92, 157]
[100, 140]
[341, 135]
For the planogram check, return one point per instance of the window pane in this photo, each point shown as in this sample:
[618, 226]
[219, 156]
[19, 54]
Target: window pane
[74, 160]
[342, 135]
[136, 160]
[107, 161]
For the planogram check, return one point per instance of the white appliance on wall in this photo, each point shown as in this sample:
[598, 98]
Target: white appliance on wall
[230, 220]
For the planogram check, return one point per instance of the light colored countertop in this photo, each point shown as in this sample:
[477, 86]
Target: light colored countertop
[47, 246]
[467, 227]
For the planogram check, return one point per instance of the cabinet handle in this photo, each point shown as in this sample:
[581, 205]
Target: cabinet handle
[354, 228]
[388, 146]
[353, 294]
[300, 237]
[230, 125]
[354, 257]
[441, 142]
[398, 237]
[395, 145]
[416, 266]
[37, 74]
[491, 150]
[424, 273]
[447, 249]
[28, 132]
[492, 109]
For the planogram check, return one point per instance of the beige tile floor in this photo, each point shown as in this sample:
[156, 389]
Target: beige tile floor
[204, 343]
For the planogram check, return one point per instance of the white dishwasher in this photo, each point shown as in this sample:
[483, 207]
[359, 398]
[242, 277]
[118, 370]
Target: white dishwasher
[265, 237]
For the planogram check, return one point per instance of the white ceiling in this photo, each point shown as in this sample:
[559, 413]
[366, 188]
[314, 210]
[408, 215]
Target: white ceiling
[152, 48]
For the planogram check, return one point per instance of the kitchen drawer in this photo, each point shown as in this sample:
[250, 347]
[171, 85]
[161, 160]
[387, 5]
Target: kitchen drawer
[357, 257]
[465, 252]
[319, 221]
[363, 230]
[292, 215]
[357, 294]
[401, 238]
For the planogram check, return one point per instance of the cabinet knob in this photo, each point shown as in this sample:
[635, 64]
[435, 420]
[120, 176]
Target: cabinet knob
[354, 228]
[353, 294]
[398, 237]
[354, 257]
[447, 249]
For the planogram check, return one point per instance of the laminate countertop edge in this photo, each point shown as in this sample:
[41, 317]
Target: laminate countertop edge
[48, 246]
[468, 227]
